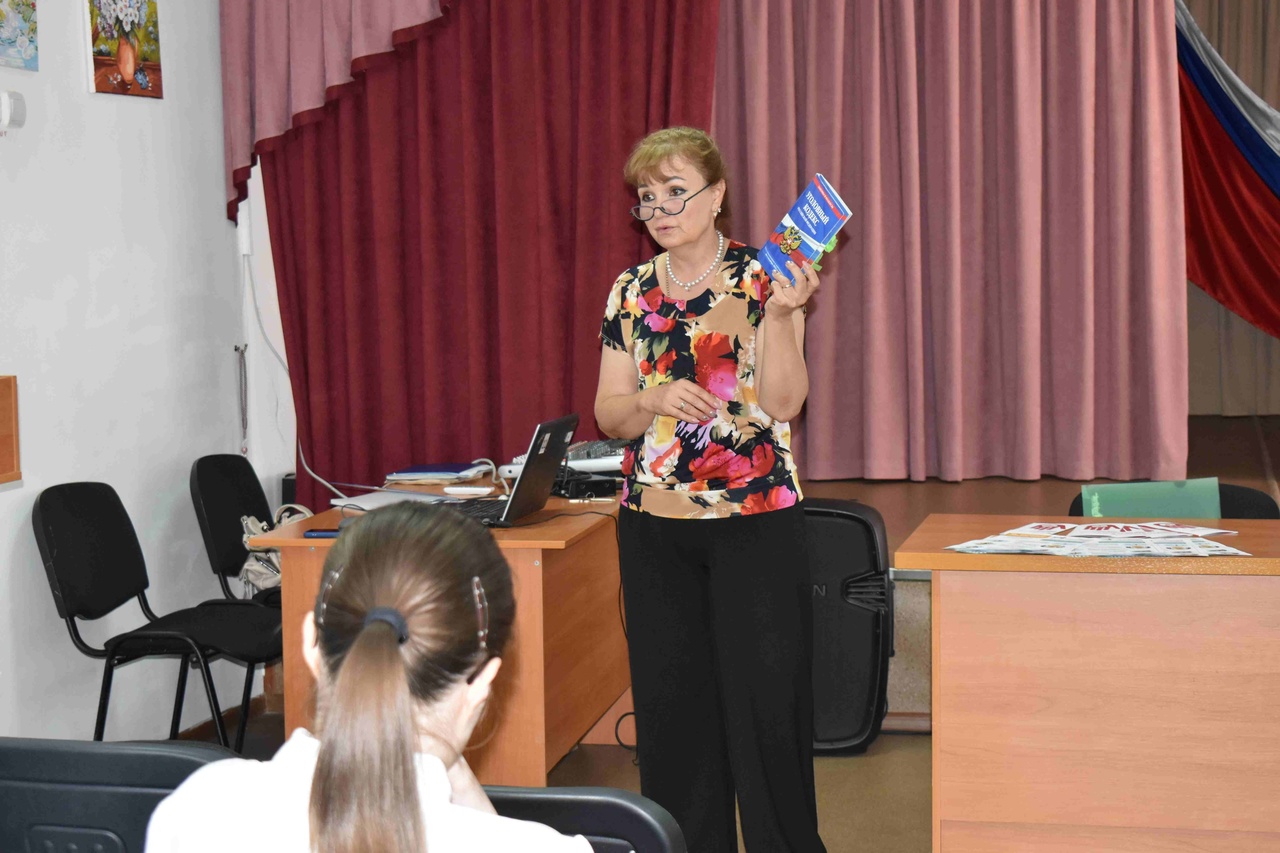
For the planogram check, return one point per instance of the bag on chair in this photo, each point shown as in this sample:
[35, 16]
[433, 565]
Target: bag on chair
[262, 566]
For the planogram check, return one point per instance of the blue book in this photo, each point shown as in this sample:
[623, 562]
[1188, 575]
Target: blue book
[439, 473]
[807, 231]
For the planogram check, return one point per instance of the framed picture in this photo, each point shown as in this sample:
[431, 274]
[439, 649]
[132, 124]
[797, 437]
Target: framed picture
[124, 47]
[19, 45]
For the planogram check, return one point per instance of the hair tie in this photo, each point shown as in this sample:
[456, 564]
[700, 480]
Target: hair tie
[392, 617]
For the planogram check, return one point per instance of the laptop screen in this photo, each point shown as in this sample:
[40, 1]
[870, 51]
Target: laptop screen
[547, 451]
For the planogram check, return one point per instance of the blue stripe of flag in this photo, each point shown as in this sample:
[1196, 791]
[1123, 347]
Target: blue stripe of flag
[1242, 132]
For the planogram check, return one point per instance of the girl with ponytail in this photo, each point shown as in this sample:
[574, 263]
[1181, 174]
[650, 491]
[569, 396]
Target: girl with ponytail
[414, 610]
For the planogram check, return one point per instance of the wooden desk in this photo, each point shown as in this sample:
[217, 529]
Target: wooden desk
[566, 662]
[1103, 705]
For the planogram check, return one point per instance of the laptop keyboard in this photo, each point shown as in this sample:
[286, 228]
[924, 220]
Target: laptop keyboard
[483, 510]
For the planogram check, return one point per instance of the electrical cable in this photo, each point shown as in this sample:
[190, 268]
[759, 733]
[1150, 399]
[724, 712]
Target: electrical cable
[493, 474]
[257, 310]
[622, 618]
[617, 733]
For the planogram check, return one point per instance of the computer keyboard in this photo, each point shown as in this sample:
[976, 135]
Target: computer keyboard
[484, 510]
[601, 456]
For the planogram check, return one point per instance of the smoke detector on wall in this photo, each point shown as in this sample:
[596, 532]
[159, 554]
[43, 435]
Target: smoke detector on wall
[13, 111]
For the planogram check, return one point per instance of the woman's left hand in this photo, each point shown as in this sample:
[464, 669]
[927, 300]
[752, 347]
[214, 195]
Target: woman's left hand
[785, 297]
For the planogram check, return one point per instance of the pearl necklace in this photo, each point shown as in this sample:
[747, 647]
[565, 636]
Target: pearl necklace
[714, 264]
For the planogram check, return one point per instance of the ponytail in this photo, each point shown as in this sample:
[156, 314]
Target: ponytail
[415, 599]
[364, 795]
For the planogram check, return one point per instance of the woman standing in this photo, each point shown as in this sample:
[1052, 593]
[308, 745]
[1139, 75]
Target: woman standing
[702, 368]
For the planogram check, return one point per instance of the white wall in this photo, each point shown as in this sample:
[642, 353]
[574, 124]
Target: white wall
[272, 425]
[120, 302]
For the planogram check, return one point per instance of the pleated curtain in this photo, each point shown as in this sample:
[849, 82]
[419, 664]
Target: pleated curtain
[1009, 298]
[445, 233]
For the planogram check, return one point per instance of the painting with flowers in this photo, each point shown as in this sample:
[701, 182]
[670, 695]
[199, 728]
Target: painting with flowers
[19, 47]
[124, 46]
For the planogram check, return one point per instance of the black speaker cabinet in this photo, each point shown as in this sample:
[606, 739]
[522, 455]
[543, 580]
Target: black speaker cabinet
[852, 623]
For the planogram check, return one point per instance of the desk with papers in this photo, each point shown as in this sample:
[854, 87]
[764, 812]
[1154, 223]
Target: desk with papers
[1103, 703]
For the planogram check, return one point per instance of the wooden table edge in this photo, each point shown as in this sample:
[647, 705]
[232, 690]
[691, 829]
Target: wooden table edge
[915, 554]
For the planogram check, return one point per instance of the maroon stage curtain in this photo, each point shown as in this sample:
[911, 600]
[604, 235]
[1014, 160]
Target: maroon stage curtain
[282, 59]
[446, 234]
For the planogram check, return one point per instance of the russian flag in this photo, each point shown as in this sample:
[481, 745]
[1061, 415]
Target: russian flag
[1231, 176]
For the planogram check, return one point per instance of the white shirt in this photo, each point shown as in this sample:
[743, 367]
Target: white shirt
[268, 810]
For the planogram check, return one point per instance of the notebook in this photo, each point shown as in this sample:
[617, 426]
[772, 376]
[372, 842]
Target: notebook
[546, 453]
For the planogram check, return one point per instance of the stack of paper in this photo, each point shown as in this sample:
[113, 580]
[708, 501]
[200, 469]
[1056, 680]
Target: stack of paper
[1105, 539]
[447, 473]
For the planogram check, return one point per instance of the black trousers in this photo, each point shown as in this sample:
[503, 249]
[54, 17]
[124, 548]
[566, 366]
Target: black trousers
[719, 629]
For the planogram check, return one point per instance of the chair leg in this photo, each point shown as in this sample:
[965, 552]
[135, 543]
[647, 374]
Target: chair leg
[177, 699]
[244, 707]
[218, 725]
[108, 671]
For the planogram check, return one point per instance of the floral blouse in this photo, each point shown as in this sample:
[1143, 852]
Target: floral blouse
[737, 464]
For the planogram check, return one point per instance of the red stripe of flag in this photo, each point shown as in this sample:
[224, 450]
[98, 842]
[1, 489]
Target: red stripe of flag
[1232, 217]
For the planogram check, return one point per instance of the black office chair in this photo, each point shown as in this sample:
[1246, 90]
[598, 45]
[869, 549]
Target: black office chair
[1235, 502]
[224, 488]
[96, 796]
[94, 565]
[63, 792]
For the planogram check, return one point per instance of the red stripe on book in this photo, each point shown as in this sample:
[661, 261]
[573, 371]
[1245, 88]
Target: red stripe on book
[831, 204]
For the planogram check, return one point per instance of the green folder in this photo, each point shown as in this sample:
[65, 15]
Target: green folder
[1162, 499]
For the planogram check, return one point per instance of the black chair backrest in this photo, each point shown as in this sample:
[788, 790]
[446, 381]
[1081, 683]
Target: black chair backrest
[613, 821]
[97, 796]
[1235, 501]
[225, 487]
[1244, 502]
[89, 547]
[100, 796]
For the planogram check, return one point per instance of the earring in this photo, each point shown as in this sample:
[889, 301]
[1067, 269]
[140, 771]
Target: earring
[717, 211]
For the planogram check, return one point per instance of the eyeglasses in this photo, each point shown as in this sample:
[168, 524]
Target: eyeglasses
[645, 212]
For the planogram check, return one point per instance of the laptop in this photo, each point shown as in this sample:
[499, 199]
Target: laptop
[546, 454]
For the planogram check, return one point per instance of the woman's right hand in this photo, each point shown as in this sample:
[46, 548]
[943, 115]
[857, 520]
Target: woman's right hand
[683, 400]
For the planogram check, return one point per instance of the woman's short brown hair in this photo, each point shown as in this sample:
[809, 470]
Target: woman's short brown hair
[690, 144]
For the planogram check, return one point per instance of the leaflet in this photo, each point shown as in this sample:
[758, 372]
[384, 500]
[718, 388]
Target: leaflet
[1113, 530]
[1068, 546]
[1188, 529]
[1039, 528]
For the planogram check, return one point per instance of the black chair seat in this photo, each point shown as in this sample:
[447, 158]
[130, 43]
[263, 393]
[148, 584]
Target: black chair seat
[94, 564]
[268, 597]
[247, 633]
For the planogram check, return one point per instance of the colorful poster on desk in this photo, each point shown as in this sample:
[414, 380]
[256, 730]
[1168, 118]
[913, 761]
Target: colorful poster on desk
[124, 47]
[19, 38]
